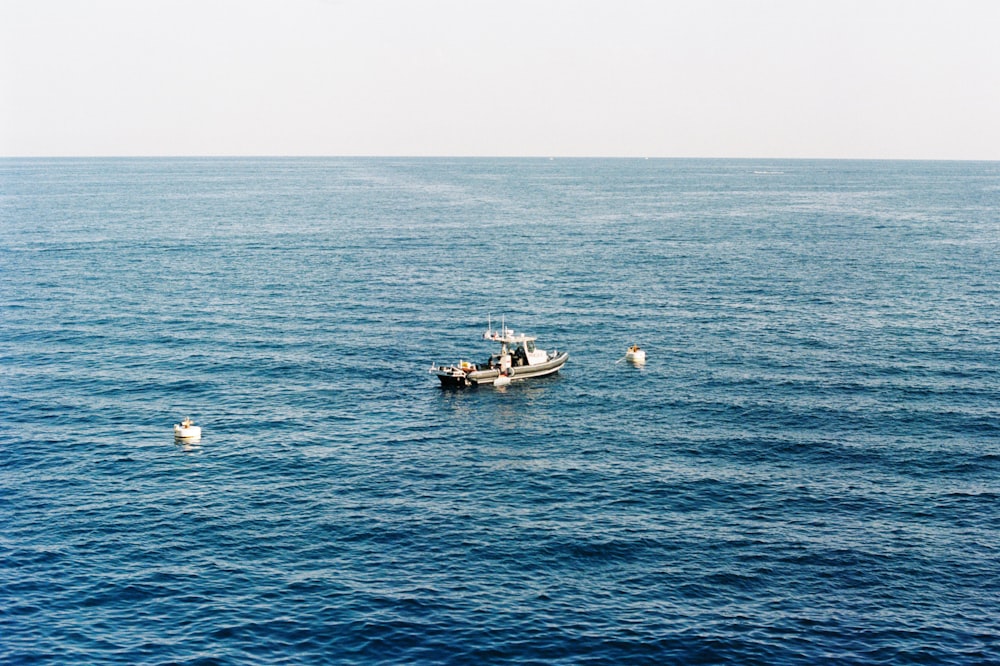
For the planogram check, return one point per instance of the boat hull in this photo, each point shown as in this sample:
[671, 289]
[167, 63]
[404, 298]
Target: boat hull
[452, 379]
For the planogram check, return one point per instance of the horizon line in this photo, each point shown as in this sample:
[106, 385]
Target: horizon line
[494, 157]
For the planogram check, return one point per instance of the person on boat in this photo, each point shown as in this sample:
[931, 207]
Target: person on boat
[521, 356]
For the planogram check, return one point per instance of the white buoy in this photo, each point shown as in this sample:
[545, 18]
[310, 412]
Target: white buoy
[635, 355]
[187, 431]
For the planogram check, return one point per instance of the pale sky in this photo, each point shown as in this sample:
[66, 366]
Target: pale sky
[904, 79]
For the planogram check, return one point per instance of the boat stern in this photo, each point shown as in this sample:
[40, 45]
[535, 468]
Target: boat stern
[451, 376]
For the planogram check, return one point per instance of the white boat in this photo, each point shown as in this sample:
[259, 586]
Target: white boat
[635, 354]
[517, 359]
[187, 430]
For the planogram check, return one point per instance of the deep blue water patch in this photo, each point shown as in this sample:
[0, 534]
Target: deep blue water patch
[806, 469]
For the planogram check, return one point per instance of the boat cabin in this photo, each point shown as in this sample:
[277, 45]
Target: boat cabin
[516, 351]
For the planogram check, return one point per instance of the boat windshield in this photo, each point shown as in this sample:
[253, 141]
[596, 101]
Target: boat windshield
[529, 346]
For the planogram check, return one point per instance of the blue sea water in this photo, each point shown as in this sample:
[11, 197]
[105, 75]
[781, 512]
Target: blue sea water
[806, 470]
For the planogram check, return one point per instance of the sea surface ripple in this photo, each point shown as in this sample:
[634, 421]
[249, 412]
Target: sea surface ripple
[806, 470]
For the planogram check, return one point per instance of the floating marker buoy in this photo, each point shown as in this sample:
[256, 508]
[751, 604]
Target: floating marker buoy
[635, 355]
[187, 431]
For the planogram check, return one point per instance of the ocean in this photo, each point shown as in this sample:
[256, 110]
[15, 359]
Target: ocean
[805, 470]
